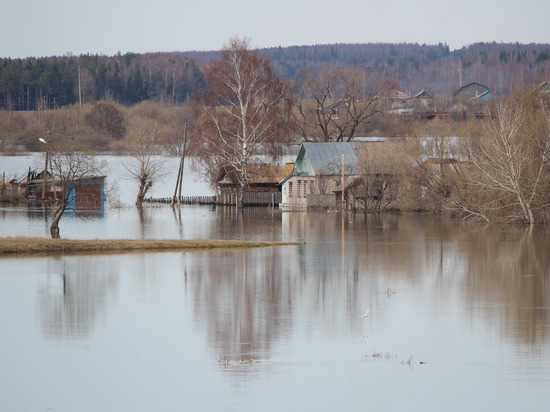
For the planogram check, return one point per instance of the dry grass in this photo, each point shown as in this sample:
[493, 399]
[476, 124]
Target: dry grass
[30, 246]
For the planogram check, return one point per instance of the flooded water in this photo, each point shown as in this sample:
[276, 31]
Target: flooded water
[458, 316]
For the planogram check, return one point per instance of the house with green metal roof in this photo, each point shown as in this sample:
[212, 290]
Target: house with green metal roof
[317, 171]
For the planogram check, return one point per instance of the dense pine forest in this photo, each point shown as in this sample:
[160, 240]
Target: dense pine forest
[52, 82]
[49, 83]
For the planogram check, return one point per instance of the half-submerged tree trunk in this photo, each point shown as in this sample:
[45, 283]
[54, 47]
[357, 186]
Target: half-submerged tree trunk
[144, 186]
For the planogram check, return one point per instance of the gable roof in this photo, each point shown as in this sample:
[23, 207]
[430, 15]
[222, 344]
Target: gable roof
[323, 155]
[259, 173]
[472, 88]
[423, 95]
[323, 158]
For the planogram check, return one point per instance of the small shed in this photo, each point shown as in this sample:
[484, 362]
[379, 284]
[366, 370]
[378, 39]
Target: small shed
[84, 193]
[263, 184]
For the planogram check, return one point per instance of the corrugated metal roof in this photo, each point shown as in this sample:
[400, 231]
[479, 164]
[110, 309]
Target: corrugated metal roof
[326, 155]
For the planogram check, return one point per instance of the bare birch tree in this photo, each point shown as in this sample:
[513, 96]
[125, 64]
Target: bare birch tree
[242, 113]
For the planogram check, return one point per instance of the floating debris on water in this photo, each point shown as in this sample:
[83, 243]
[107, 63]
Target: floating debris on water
[225, 362]
[388, 356]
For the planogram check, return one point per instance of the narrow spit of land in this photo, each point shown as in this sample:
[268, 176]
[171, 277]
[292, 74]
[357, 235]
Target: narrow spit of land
[33, 246]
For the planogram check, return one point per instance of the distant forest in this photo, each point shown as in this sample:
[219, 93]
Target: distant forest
[52, 82]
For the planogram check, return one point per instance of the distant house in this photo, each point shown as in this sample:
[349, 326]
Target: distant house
[469, 91]
[404, 106]
[424, 101]
[544, 88]
[391, 99]
[10, 190]
[472, 100]
[393, 93]
[85, 193]
[263, 184]
[317, 171]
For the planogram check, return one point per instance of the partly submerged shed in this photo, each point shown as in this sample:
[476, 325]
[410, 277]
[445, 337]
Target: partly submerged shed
[263, 185]
[84, 193]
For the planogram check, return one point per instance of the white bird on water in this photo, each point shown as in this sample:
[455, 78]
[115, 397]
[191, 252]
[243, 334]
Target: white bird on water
[366, 314]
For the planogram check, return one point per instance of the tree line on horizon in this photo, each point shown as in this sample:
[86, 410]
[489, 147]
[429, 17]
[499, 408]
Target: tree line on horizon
[128, 79]
[52, 82]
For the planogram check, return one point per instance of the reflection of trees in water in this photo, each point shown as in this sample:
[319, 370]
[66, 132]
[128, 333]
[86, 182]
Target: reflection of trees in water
[249, 223]
[507, 267]
[249, 298]
[510, 267]
[240, 298]
[75, 294]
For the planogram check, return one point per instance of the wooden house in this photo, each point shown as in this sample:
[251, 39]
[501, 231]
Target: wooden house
[469, 91]
[544, 88]
[263, 185]
[472, 100]
[85, 193]
[392, 99]
[424, 102]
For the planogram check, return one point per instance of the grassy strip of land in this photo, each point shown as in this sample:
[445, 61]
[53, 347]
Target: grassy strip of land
[29, 246]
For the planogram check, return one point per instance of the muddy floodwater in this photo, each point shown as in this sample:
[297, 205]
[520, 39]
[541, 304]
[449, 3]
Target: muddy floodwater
[458, 316]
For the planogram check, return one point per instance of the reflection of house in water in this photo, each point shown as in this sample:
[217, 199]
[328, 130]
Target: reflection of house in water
[84, 193]
[263, 184]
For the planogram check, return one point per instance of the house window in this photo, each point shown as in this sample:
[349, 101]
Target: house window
[290, 189]
[305, 188]
[299, 189]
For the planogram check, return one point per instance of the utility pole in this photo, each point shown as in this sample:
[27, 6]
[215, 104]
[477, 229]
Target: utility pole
[343, 182]
[46, 142]
[179, 180]
[182, 166]
[460, 72]
[79, 88]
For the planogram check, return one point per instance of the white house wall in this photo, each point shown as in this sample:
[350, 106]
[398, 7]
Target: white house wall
[295, 192]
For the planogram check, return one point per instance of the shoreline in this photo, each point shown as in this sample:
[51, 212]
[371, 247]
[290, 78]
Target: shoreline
[34, 246]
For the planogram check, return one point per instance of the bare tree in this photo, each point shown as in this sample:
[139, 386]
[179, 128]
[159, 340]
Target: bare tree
[333, 104]
[147, 162]
[510, 176]
[242, 113]
[381, 166]
[68, 167]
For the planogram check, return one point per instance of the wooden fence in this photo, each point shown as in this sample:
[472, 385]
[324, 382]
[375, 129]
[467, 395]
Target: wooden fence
[263, 198]
[250, 199]
[187, 200]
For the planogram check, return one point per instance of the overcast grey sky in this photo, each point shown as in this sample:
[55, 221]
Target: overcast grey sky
[56, 27]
